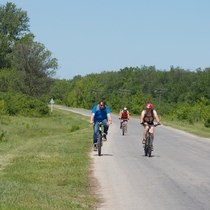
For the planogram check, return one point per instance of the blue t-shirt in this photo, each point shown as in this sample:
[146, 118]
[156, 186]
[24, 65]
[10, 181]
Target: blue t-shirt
[100, 114]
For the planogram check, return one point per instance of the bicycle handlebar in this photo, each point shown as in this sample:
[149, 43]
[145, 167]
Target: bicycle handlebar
[150, 125]
[100, 123]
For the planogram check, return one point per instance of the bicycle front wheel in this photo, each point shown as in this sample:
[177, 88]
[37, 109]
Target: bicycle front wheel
[145, 149]
[146, 146]
[150, 146]
[123, 129]
[99, 144]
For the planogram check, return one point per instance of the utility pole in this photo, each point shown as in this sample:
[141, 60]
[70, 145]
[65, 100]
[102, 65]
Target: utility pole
[159, 91]
[96, 92]
[124, 92]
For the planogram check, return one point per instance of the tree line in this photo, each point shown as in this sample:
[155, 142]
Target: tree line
[176, 94]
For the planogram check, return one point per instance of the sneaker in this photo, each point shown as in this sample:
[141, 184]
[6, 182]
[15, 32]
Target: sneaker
[144, 141]
[104, 137]
[94, 147]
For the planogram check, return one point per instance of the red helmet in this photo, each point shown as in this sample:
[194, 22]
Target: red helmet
[149, 106]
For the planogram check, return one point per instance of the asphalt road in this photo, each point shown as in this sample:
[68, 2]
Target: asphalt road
[176, 177]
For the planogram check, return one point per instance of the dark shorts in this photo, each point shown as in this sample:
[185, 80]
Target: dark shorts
[149, 123]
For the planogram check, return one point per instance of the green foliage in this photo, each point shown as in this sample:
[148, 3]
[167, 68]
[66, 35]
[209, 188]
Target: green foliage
[34, 65]
[9, 81]
[3, 109]
[138, 102]
[179, 97]
[73, 128]
[26, 66]
[13, 26]
[183, 112]
[206, 116]
[5, 51]
[207, 122]
[2, 134]
[24, 105]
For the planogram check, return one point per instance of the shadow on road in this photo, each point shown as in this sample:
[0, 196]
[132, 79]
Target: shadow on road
[103, 155]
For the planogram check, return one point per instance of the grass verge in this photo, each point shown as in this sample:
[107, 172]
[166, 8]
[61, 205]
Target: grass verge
[197, 129]
[45, 163]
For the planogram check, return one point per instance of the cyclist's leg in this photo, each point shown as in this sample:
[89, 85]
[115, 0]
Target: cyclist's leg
[146, 127]
[152, 132]
[106, 126]
[152, 129]
[95, 134]
[126, 125]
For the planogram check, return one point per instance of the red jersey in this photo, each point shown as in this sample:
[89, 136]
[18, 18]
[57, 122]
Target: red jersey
[124, 114]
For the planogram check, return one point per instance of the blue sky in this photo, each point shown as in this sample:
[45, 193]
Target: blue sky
[91, 36]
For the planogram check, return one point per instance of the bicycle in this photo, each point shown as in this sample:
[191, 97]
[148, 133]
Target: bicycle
[99, 139]
[124, 125]
[149, 140]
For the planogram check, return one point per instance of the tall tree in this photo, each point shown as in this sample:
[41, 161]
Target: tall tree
[34, 65]
[14, 24]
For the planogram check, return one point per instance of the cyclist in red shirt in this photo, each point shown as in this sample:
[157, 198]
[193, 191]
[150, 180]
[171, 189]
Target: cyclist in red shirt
[124, 115]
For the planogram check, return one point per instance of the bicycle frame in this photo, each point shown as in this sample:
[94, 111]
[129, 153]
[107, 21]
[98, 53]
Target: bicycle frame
[149, 141]
[99, 139]
[124, 126]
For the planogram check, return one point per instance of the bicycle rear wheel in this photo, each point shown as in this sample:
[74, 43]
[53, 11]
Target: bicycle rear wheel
[99, 144]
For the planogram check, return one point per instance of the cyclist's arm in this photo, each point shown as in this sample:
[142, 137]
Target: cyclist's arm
[92, 115]
[92, 118]
[109, 118]
[142, 117]
[128, 115]
[156, 117]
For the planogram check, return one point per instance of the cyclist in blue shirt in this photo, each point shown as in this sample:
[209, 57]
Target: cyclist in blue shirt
[100, 113]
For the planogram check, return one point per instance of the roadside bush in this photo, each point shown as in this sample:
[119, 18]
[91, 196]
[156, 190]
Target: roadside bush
[184, 112]
[24, 105]
[2, 134]
[196, 113]
[3, 109]
[73, 128]
[207, 122]
[206, 116]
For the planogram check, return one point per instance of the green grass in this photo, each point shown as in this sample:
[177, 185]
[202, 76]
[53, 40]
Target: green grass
[197, 129]
[44, 163]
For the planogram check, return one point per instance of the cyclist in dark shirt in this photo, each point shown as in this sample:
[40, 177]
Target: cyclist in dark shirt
[147, 117]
